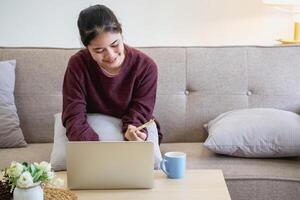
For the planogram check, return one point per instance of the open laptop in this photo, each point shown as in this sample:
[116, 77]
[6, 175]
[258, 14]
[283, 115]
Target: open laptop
[110, 165]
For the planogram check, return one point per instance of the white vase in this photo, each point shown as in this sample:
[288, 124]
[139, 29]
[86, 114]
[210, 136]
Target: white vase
[32, 193]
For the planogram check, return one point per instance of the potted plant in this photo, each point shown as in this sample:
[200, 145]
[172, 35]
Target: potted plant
[27, 180]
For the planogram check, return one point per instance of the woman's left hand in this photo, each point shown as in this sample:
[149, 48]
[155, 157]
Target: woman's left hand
[132, 134]
[141, 135]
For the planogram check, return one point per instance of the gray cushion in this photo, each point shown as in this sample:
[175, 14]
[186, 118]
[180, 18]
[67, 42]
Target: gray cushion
[108, 128]
[10, 132]
[259, 132]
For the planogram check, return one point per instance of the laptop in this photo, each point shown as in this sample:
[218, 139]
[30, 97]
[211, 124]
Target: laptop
[110, 165]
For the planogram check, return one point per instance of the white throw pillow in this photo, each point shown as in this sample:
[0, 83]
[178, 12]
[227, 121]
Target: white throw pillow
[108, 128]
[11, 134]
[258, 132]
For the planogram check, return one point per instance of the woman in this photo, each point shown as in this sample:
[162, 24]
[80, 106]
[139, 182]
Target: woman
[107, 77]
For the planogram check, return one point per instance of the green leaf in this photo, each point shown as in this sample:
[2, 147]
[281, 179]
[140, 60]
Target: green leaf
[32, 169]
[37, 175]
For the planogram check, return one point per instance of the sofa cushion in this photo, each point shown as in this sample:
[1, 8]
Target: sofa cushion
[199, 157]
[257, 132]
[31, 153]
[10, 132]
[217, 79]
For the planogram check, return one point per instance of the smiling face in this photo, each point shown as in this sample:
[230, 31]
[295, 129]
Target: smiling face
[107, 49]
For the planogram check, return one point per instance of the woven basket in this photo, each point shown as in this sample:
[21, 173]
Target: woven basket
[58, 194]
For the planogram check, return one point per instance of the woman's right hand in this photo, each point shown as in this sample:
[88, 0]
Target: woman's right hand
[132, 134]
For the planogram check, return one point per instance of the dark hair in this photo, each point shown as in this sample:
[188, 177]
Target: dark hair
[94, 20]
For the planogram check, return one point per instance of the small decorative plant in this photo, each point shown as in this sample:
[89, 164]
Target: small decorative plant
[26, 175]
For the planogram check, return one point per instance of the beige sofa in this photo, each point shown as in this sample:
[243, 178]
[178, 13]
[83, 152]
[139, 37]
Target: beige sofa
[195, 85]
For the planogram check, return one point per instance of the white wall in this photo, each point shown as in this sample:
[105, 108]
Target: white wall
[52, 23]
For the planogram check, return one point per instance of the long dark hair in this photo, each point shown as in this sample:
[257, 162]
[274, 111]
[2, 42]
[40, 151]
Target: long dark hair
[94, 20]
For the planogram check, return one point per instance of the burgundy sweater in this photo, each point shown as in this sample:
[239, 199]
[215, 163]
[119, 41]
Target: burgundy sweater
[130, 95]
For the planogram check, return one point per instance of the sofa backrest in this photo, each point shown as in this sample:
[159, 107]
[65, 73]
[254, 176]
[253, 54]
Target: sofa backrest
[195, 85]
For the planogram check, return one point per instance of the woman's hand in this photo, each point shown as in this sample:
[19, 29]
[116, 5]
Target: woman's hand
[132, 134]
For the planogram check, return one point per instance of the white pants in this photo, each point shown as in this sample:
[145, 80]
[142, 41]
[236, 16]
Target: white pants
[108, 128]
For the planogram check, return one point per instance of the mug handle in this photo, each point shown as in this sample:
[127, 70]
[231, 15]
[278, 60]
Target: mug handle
[163, 166]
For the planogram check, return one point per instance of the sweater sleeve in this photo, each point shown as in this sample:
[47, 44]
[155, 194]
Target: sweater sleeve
[141, 107]
[74, 105]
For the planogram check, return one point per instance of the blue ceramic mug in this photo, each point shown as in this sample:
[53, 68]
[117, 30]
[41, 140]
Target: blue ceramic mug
[173, 164]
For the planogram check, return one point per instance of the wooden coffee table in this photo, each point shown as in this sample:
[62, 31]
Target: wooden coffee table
[197, 184]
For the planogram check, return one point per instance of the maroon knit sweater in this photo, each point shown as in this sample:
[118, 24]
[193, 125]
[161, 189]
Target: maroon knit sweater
[130, 95]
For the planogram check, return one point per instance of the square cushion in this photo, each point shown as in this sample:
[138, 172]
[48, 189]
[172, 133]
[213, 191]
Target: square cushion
[10, 132]
[258, 132]
[108, 128]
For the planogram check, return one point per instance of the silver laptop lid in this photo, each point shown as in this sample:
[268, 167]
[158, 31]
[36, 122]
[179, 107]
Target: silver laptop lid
[110, 165]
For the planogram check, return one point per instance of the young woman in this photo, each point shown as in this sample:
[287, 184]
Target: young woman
[107, 77]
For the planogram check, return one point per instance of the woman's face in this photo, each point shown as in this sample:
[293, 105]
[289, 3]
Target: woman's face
[107, 49]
